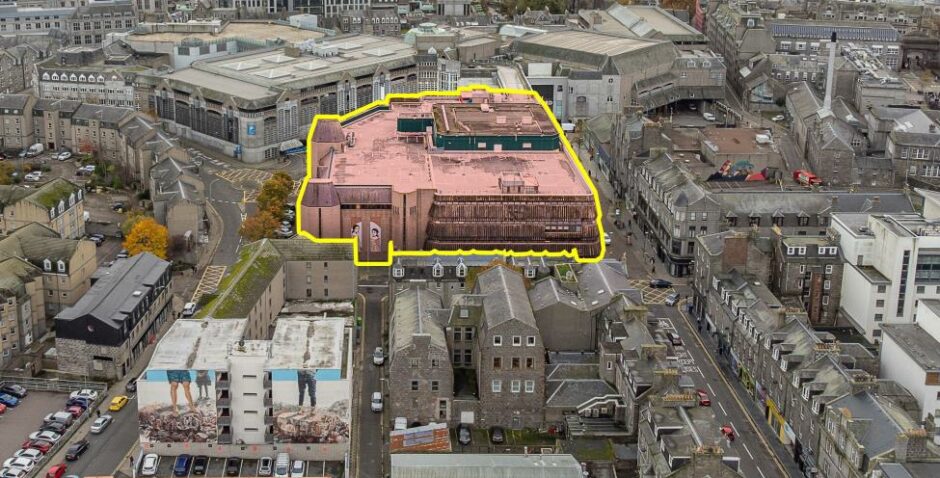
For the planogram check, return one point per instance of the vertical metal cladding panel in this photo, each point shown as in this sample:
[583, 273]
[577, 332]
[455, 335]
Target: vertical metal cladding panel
[508, 143]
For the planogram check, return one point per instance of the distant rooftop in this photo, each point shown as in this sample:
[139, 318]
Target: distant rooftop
[916, 343]
[197, 345]
[215, 30]
[307, 343]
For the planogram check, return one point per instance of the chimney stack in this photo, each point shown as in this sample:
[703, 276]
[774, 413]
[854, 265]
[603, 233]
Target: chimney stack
[827, 102]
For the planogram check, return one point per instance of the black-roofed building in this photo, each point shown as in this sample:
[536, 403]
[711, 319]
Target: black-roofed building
[104, 333]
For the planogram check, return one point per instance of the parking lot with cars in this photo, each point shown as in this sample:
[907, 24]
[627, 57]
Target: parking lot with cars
[217, 468]
[18, 422]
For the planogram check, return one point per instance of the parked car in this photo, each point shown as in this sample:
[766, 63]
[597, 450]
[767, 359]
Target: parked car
[671, 299]
[708, 116]
[31, 453]
[778, 118]
[149, 465]
[40, 445]
[53, 426]
[23, 463]
[3, 409]
[117, 403]
[87, 393]
[48, 436]
[282, 465]
[660, 284]
[728, 432]
[378, 356]
[200, 462]
[674, 339]
[17, 391]
[607, 239]
[181, 465]
[377, 402]
[703, 399]
[463, 434]
[131, 386]
[123, 254]
[189, 309]
[98, 241]
[497, 435]
[297, 469]
[62, 417]
[265, 466]
[233, 465]
[56, 471]
[32, 177]
[12, 473]
[401, 423]
[117, 207]
[9, 400]
[77, 402]
[76, 450]
[101, 423]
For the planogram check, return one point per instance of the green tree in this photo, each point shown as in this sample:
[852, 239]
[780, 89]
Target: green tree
[6, 173]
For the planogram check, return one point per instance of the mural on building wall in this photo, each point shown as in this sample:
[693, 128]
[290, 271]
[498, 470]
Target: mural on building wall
[357, 233]
[375, 237]
[310, 406]
[177, 406]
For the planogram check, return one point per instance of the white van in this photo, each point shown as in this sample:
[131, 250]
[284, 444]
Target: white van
[282, 466]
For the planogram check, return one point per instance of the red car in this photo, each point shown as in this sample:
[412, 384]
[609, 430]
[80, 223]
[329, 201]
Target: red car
[75, 410]
[40, 445]
[56, 471]
[703, 399]
[728, 432]
[3, 408]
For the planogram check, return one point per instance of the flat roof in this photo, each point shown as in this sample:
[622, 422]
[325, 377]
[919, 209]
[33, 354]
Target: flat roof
[459, 465]
[409, 166]
[244, 30]
[735, 140]
[193, 344]
[920, 346]
[307, 343]
[589, 42]
[472, 119]
[244, 89]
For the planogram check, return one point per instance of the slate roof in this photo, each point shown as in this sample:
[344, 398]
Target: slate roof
[412, 316]
[104, 114]
[474, 465]
[610, 54]
[14, 274]
[874, 421]
[822, 31]
[13, 101]
[920, 346]
[299, 249]
[112, 296]
[572, 393]
[504, 297]
[746, 202]
[804, 100]
[66, 106]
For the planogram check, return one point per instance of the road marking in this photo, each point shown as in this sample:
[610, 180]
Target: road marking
[711, 389]
[733, 427]
[722, 409]
[761, 472]
[734, 395]
[748, 451]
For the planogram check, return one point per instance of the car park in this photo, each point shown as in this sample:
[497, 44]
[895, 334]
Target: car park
[181, 465]
[233, 466]
[101, 423]
[660, 284]
[378, 356]
[265, 466]
[9, 400]
[56, 471]
[85, 393]
[376, 402]
[463, 434]
[497, 435]
[200, 463]
[17, 391]
[149, 465]
[117, 403]
[297, 469]
[76, 450]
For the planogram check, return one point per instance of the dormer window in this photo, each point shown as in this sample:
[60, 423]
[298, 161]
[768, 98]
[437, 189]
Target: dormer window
[530, 272]
[438, 270]
[461, 269]
[52, 213]
[47, 265]
[60, 266]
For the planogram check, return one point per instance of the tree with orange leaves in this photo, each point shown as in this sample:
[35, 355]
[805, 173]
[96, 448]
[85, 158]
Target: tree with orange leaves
[261, 225]
[147, 236]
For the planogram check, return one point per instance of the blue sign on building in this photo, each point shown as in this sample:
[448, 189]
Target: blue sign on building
[251, 129]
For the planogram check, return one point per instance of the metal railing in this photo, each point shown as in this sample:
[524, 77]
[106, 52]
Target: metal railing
[53, 385]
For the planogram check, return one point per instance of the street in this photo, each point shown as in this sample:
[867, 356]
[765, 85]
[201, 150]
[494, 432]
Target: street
[370, 427]
[107, 450]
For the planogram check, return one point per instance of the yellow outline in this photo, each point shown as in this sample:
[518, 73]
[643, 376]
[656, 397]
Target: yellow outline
[570, 254]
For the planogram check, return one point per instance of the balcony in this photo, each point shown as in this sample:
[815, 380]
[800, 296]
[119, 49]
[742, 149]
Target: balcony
[224, 420]
[223, 402]
[269, 438]
[222, 384]
[266, 383]
[268, 420]
[225, 439]
[268, 402]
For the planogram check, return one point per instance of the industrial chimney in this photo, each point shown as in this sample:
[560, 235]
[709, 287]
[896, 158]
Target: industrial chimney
[830, 74]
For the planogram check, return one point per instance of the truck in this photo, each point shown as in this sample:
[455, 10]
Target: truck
[806, 178]
[34, 150]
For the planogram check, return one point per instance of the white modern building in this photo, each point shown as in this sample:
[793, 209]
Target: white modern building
[910, 355]
[892, 262]
[209, 391]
